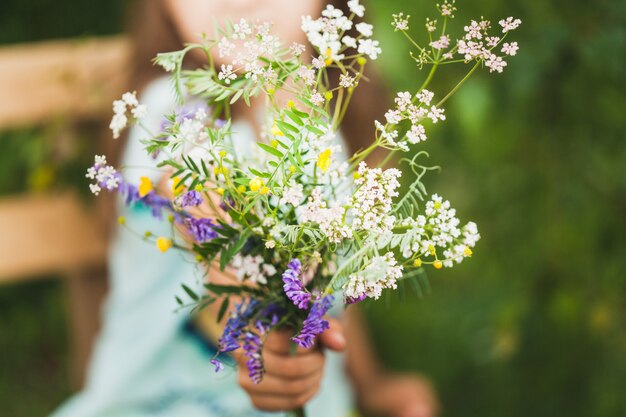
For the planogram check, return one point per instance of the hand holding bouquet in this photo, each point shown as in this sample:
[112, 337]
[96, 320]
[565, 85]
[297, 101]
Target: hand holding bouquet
[301, 225]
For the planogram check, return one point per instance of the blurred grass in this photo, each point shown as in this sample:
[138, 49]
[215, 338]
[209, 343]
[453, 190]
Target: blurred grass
[534, 323]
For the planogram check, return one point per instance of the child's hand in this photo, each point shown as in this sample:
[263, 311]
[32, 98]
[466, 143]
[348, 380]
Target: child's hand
[401, 396]
[290, 380]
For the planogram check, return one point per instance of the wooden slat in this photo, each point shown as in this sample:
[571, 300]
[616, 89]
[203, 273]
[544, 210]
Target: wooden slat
[79, 78]
[44, 234]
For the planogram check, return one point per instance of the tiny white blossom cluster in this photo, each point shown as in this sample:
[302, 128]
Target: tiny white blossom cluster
[381, 272]
[372, 200]
[328, 33]
[415, 109]
[103, 175]
[252, 268]
[439, 228]
[121, 110]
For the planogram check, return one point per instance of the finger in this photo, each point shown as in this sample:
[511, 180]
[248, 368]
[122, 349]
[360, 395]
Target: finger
[282, 403]
[274, 385]
[293, 367]
[334, 338]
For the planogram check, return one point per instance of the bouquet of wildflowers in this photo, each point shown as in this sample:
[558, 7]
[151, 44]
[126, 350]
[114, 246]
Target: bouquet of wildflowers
[299, 222]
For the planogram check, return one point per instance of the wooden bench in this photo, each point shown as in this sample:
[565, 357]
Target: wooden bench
[56, 234]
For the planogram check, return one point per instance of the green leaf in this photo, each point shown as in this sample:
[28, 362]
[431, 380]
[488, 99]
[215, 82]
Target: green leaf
[271, 150]
[223, 309]
[190, 293]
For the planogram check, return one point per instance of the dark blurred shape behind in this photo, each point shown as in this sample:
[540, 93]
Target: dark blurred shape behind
[534, 324]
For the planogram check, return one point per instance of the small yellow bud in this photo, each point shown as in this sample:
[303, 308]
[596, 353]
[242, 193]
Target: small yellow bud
[431, 249]
[291, 103]
[274, 143]
[145, 186]
[361, 61]
[467, 252]
[163, 244]
[276, 131]
[438, 264]
[176, 188]
[417, 263]
[121, 220]
[292, 169]
[220, 191]
[328, 95]
[255, 184]
[323, 161]
[223, 154]
[264, 190]
[241, 189]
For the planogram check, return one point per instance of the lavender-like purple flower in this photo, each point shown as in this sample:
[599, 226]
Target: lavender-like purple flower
[202, 230]
[191, 198]
[252, 346]
[293, 286]
[314, 324]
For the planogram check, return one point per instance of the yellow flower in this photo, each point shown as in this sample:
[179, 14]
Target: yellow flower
[145, 186]
[276, 131]
[329, 54]
[417, 263]
[467, 252]
[255, 184]
[220, 191]
[163, 244]
[176, 189]
[264, 190]
[323, 161]
[438, 264]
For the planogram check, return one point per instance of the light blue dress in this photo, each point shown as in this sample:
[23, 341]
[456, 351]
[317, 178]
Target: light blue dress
[146, 362]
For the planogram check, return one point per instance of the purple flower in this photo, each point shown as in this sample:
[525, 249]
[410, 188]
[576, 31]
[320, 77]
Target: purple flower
[293, 286]
[202, 230]
[314, 324]
[191, 198]
[252, 346]
[219, 366]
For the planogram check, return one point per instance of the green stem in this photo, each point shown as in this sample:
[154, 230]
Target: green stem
[456, 87]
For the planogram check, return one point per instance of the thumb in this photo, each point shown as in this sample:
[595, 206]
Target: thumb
[334, 337]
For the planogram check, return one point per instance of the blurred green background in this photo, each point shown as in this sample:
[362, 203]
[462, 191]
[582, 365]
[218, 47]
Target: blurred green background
[535, 324]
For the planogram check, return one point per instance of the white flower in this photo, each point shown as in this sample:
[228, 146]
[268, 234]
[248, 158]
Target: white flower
[369, 47]
[242, 29]
[436, 114]
[400, 22]
[510, 48]
[356, 8]
[317, 99]
[425, 96]
[381, 272]
[365, 29]
[495, 63]
[227, 74]
[509, 24]
[293, 194]
[416, 134]
[297, 49]
[225, 47]
[349, 41]
[346, 81]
